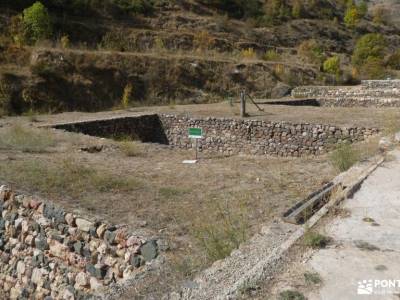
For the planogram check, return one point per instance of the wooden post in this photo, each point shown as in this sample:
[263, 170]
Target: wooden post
[243, 104]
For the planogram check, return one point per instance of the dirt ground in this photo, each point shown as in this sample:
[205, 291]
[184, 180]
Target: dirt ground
[148, 187]
[341, 116]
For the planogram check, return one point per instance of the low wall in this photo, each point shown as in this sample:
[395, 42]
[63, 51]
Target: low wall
[229, 136]
[45, 251]
[371, 93]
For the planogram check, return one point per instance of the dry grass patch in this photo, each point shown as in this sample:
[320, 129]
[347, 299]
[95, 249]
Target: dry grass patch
[221, 228]
[26, 139]
[68, 177]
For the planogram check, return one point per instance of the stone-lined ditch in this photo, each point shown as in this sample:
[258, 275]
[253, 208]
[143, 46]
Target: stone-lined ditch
[225, 136]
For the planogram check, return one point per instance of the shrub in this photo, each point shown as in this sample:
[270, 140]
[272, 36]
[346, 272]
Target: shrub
[37, 24]
[373, 68]
[5, 98]
[203, 40]
[344, 157]
[220, 236]
[315, 240]
[127, 96]
[313, 278]
[238, 8]
[248, 53]
[332, 65]
[130, 148]
[311, 50]
[65, 42]
[291, 295]
[369, 45]
[351, 17]
[271, 55]
[378, 15]
[394, 60]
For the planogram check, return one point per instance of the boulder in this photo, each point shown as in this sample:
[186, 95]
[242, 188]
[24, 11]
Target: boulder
[83, 225]
[149, 250]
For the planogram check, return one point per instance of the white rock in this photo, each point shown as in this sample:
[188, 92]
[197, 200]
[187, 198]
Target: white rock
[397, 137]
[20, 268]
[83, 224]
[68, 295]
[36, 275]
[82, 279]
[95, 284]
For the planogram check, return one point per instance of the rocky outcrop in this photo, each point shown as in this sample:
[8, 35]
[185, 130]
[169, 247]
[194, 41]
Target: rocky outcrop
[47, 252]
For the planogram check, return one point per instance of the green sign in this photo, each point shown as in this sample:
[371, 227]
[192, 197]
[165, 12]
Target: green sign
[195, 133]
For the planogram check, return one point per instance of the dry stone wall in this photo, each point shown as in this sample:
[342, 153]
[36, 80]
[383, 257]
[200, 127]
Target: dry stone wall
[46, 253]
[371, 93]
[230, 136]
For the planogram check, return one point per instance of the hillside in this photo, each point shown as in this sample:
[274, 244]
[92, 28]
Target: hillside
[106, 54]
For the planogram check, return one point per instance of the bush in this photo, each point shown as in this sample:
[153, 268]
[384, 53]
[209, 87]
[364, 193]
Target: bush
[271, 55]
[248, 53]
[202, 41]
[291, 295]
[351, 17]
[315, 240]
[332, 65]
[344, 157]
[219, 234]
[127, 96]
[373, 68]
[394, 60]
[37, 24]
[130, 148]
[370, 45]
[311, 50]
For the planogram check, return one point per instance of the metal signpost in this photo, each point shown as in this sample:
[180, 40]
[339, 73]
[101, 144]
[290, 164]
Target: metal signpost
[196, 134]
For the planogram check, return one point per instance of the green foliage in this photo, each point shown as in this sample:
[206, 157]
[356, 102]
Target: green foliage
[344, 157]
[271, 55]
[351, 17]
[371, 45]
[315, 240]
[37, 23]
[127, 96]
[332, 65]
[312, 278]
[373, 68]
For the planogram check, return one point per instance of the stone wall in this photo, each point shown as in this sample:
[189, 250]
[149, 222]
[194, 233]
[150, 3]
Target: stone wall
[371, 93]
[46, 252]
[230, 136]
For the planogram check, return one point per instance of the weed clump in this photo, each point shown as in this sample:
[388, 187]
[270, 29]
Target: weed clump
[291, 295]
[315, 240]
[344, 157]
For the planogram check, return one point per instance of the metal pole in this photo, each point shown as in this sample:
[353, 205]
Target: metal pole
[242, 104]
[196, 149]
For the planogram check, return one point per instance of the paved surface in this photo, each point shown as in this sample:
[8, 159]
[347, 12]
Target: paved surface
[368, 241]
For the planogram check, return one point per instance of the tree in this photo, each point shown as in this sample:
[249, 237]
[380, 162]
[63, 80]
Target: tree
[37, 23]
[332, 65]
[371, 45]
